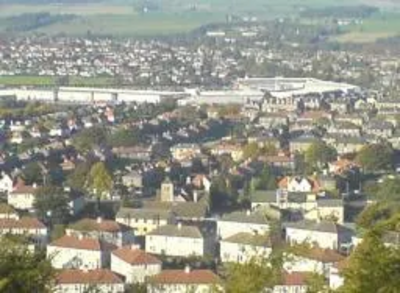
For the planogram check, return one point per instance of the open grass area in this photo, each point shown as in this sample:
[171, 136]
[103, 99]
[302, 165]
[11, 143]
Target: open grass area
[383, 25]
[24, 80]
[133, 25]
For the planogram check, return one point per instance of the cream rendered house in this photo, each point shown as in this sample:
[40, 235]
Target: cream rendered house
[243, 247]
[183, 281]
[79, 253]
[22, 196]
[134, 264]
[242, 221]
[324, 234]
[145, 220]
[176, 240]
[78, 281]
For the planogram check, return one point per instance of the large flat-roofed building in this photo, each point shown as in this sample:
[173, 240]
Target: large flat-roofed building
[92, 95]
[281, 87]
[240, 97]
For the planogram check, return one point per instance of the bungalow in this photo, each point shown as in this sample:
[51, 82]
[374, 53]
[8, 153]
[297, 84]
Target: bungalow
[134, 264]
[144, 220]
[101, 229]
[243, 247]
[79, 253]
[78, 281]
[173, 281]
[325, 234]
[178, 240]
[238, 222]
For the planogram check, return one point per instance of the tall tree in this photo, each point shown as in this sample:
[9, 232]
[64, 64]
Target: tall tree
[319, 153]
[99, 180]
[376, 157]
[51, 203]
[23, 271]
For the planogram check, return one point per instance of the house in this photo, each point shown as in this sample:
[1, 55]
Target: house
[78, 281]
[299, 184]
[182, 152]
[238, 222]
[300, 144]
[180, 281]
[144, 220]
[138, 153]
[178, 240]
[379, 128]
[324, 234]
[243, 247]
[344, 128]
[31, 228]
[225, 148]
[22, 196]
[133, 179]
[348, 145]
[293, 282]
[273, 120]
[281, 162]
[79, 253]
[134, 265]
[312, 260]
[102, 229]
[6, 183]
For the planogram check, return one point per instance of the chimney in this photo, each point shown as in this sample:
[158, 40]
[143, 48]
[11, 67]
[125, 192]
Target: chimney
[135, 246]
[99, 220]
[34, 185]
[80, 237]
[179, 226]
[248, 213]
[195, 196]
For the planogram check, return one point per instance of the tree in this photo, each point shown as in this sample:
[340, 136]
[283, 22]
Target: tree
[99, 180]
[51, 202]
[251, 151]
[32, 173]
[77, 179]
[23, 271]
[267, 180]
[255, 275]
[319, 154]
[373, 267]
[124, 138]
[89, 138]
[376, 157]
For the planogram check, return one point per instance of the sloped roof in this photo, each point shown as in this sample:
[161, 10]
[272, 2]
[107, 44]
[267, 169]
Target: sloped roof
[96, 225]
[182, 277]
[100, 276]
[23, 223]
[245, 217]
[135, 256]
[83, 243]
[143, 213]
[249, 239]
[178, 231]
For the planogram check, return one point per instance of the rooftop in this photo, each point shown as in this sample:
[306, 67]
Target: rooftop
[249, 239]
[178, 231]
[245, 217]
[135, 256]
[185, 277]
[83, 243]
[100, 276]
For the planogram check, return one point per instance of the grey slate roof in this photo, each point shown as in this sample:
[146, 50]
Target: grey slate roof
[249, 239]
[177, 231]
[143, 213]
[323, 226]
[245, 217]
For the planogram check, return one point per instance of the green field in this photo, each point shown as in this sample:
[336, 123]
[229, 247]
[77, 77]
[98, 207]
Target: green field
[383, 25]
[24, 80]
[124, 17]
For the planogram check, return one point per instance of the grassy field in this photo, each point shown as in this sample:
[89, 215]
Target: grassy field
[380, 26]
[120, 17]
[22, 80]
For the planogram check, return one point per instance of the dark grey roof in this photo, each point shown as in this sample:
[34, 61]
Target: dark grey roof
[245, 217]
[178, 231]
[249, 239]
[322, 226]
[143, 213]
[330, 202]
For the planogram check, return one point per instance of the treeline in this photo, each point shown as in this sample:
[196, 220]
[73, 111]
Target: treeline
[359, 11]
[31, 21]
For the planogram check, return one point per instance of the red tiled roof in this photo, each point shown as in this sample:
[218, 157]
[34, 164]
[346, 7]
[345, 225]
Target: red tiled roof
[135, 256]
[324, 255]
[82, 243]
[183, 277]
[294, 278]
[23, 223]
[100, 276]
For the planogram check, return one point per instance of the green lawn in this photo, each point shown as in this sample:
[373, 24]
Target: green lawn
[21, 80]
